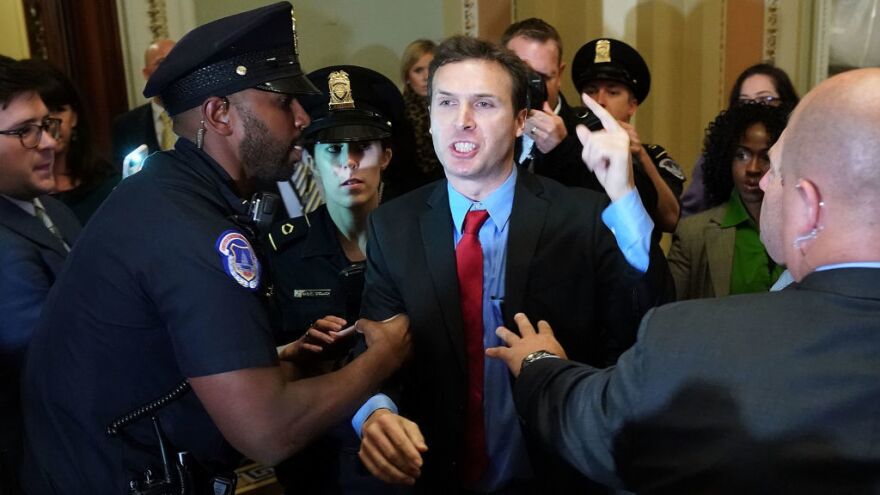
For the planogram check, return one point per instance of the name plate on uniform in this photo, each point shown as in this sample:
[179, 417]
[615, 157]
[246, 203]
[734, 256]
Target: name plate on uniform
[300, 293]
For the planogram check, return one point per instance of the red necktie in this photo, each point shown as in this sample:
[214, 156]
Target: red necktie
[469, 265]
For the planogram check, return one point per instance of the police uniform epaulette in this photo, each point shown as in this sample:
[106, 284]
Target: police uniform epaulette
[662, 160]
[287, 232]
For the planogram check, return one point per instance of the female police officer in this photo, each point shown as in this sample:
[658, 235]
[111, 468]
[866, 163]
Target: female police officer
[318, 259]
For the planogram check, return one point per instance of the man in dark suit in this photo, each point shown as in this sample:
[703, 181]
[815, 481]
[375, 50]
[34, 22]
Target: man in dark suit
[759, 393]
[31, 255]
[541, 247]
[549, 147]
[147, 123]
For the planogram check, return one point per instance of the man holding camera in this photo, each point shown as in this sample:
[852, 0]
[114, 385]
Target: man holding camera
[549, 145]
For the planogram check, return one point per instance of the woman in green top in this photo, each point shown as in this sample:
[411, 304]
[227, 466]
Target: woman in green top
[719, 252]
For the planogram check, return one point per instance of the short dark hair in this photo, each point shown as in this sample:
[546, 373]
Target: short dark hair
[460, 48]
[57, 90]
[722, 138]
[16, 79]
[533, 29]
[781, 82]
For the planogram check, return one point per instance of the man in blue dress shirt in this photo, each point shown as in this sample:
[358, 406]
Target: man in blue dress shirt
[546, 249]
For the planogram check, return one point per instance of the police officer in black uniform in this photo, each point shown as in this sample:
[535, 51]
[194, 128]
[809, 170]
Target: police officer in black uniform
[617, 77]
[318, 259]
[166, 292]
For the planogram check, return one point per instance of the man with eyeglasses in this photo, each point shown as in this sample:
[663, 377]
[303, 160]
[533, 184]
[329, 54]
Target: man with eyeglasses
[36, 233]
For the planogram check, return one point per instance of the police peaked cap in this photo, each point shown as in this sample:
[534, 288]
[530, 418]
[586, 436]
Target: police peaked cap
[253, 49]
[355, 104]
[614, 60]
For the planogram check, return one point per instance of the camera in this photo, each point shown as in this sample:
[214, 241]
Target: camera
[589, 119]
[537, 93]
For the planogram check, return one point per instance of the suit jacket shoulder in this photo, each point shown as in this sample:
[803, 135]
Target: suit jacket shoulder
[701, 255]
[766, 390]
[31, 259]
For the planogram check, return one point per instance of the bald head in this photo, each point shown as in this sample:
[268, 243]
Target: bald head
[821, 199]
[834, 139]
[155, 54]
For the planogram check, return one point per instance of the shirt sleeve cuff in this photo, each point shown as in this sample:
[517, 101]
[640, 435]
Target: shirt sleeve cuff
[632, 227]
[376, 402]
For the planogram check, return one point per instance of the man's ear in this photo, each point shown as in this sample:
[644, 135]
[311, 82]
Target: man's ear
[216, 115]
[633, 106]
[809, 203]
[520, 121]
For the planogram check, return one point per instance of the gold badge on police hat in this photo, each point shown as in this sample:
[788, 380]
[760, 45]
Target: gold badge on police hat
[603, 52]
[340, 90]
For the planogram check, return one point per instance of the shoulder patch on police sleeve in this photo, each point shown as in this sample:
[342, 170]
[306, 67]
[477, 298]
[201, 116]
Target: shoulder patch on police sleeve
[669, 165]
[283, 233]
[662, 159]
[239, 259]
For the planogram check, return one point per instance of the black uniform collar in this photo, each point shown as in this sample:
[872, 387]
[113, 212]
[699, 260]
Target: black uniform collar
[201, 164]
[322, 239]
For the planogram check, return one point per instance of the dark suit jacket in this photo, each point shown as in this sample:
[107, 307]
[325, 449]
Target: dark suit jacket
[30, 259]
[132, 129]
[563, 265]
[760, 393]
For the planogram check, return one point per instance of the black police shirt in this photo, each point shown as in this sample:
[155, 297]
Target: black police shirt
[162, 285]
[311, 274]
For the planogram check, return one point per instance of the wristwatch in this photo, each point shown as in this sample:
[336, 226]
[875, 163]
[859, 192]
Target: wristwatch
[537, 356]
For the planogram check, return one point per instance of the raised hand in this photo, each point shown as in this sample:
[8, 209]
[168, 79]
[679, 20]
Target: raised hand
[607, 152]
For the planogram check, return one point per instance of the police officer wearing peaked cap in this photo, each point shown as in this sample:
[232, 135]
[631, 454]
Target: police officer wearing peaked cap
[167, 287]
[615, 75]
[318, 259]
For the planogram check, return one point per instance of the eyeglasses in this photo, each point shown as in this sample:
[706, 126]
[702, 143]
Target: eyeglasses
[30, 135]
[761, 100]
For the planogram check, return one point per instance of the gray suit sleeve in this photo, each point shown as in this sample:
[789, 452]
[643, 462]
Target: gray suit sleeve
[579, 411]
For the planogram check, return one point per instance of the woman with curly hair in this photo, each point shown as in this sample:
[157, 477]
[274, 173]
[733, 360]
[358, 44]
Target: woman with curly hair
[762, 83]
[719, 252]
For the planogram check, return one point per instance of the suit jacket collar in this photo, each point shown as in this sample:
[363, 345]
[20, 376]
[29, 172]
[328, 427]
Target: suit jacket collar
[861, 283]
[30, 227]
[436, 227]
[526, 224]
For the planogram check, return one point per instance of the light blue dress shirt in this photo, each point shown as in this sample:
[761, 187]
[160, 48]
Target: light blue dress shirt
[505, 444]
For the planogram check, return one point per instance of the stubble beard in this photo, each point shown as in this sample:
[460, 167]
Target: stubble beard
[262, 157]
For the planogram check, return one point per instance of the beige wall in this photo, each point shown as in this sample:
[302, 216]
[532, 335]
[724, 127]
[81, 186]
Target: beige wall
[695, 48]
[13, 35]
[369, 33]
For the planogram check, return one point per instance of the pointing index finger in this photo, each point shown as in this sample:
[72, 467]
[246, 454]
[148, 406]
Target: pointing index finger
[608, 122]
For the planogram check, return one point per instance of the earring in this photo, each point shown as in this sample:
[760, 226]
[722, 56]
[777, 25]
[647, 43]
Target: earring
[200, 136]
